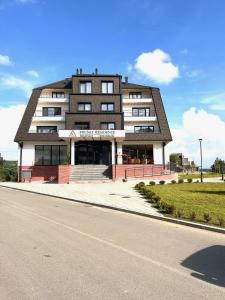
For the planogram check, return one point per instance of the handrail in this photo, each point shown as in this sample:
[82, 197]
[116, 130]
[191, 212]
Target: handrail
[139, 172]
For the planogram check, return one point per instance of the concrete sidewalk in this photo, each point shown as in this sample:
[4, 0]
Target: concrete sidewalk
[119, 195]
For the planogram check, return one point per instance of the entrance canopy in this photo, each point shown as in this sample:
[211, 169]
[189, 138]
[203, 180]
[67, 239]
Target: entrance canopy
[118, 135]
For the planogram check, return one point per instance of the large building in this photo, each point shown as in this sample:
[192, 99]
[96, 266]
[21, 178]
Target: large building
[92, 126]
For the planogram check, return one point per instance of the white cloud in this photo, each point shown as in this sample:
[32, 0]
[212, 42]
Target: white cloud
[11, 81]
[5, 60]
[199, 124]
[32, 73]
[10, 118]
[215, 102]
[157, 66]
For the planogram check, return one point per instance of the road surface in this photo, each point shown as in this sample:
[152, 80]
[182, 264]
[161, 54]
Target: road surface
[57, 249]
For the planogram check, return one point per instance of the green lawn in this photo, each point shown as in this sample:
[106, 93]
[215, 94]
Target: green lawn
[198, 197]
[197, 175]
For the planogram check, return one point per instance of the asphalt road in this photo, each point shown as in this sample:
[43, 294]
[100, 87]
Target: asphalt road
[58, 249]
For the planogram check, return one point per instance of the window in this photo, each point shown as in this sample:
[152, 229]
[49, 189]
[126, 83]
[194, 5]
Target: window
[85, 87]
[46, 155]
[58, 95]
[135, 95]
[133, 154]
[81, 125]
[84, 106]
[108, 126]
[141, 112]
[144, 128]
[46, 129]
[51, 111]
[107, 107]
[107, 87]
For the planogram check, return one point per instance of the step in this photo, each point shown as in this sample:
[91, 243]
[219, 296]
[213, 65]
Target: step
[84, 176]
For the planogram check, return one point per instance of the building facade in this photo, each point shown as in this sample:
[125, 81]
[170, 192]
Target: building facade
[92, 122]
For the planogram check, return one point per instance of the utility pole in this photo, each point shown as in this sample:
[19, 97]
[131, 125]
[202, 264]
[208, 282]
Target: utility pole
[200, 142]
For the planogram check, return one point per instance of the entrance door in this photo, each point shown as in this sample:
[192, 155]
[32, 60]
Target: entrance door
[94, 153]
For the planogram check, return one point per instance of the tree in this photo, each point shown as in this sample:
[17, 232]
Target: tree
[218, 166]
[174, 158]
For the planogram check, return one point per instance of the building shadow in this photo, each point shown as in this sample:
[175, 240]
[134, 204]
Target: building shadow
[208, 264]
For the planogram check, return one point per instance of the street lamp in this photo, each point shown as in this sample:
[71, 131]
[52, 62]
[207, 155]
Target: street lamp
[200, 142]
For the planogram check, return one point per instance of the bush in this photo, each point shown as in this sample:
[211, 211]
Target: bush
[197, 181]
[173, 181]
[221, 221]
[180, 180]
[156, 199]
[167, 208]
[207, 217]
[140, 185]
[179, 213]
[192, 215]
[152, 182]
[149, 194]
[162, 182]
[189, 180]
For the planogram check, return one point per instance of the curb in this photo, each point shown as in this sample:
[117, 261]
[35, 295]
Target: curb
[160, 218]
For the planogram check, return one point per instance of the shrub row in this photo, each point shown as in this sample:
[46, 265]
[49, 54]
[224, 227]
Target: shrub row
[170, 209]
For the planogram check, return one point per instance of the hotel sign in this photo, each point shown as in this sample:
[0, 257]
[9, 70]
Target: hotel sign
[97, 133]
[92, 134]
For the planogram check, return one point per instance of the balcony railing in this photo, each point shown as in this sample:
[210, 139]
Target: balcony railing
[143, 131]
[66, 96]
[35, 131]
[130, 113]
[39, 113]
[142, 97]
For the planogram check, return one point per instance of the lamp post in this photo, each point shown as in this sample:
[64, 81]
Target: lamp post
[200, 142]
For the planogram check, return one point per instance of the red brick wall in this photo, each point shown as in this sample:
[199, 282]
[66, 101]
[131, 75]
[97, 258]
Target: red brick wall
[64, 172]
[154, 172]
[42, 173]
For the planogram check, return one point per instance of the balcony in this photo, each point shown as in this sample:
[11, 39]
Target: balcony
[143, 131]
[149, 116]
[47, 98]
[143, 99]
[39, 117]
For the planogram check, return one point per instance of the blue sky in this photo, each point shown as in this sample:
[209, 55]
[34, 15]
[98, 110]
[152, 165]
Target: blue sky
[44, 40]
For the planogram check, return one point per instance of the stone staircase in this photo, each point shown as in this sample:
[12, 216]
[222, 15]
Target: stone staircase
[91, 173]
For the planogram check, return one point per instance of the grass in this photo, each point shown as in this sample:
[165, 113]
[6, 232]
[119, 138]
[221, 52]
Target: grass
[197, 175]
[194, 197]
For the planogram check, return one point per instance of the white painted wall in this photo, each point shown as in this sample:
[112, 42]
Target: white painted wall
[28, 155]
[158, 152]
[119, 153]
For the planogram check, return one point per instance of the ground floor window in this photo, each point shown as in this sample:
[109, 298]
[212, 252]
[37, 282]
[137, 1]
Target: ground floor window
[138, 154]
[46, 155]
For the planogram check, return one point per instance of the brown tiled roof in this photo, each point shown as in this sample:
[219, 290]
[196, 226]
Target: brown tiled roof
[128, 85]
[62, 84]
[23, 130]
